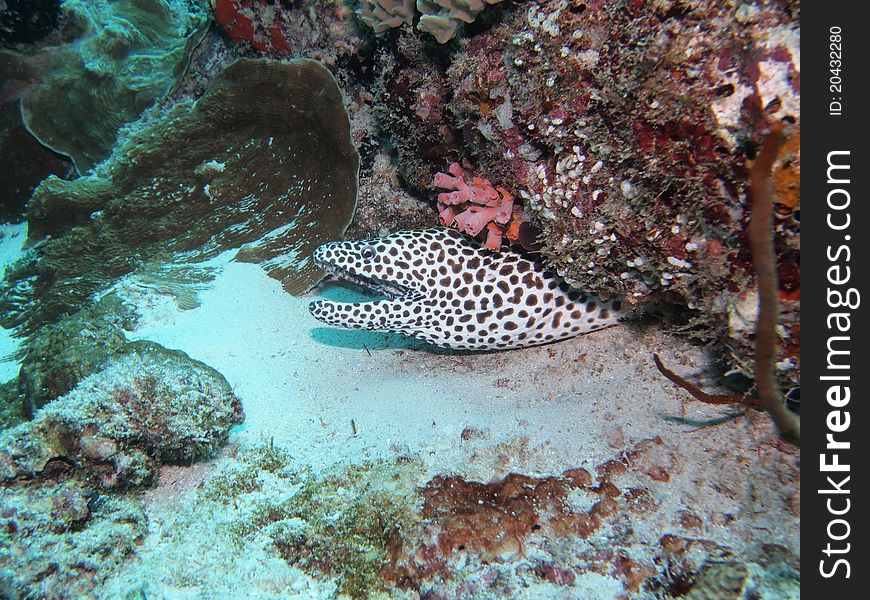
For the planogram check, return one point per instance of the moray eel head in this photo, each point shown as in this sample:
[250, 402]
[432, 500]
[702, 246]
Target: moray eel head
[398, 266]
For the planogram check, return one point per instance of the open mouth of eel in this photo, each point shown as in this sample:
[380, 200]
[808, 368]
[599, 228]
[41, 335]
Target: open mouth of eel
[390, 289]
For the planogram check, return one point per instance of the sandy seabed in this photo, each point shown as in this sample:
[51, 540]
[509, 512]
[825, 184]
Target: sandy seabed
[334, 398]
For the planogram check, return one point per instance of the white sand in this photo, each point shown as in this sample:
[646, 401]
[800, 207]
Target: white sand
[12, 238]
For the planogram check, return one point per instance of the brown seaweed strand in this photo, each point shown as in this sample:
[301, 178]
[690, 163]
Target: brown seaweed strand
[764, 262]
[699, 394]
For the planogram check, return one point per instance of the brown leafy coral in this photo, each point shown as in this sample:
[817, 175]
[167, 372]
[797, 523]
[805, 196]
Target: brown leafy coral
[112, 61]
[263, 162]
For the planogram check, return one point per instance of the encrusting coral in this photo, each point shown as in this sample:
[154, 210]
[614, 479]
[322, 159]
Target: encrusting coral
[770, 397]
[264, 162]
[323, 31]
[112, 60]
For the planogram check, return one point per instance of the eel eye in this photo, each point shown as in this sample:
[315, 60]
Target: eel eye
[368, 253]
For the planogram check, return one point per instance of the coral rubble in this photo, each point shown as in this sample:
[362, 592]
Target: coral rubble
[340, 525]
[112, 61]
[387, 527]
[263, 162]
[62, 540]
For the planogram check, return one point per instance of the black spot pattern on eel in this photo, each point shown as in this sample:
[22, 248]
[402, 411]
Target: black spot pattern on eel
[531, 310]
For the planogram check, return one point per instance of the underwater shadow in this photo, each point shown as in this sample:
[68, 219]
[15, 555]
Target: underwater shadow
[360, 339]
[702, 423]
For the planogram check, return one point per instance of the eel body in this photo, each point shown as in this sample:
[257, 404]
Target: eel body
[443, 289]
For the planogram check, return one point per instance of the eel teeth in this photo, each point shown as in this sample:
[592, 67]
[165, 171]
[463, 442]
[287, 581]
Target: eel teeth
[391, 290]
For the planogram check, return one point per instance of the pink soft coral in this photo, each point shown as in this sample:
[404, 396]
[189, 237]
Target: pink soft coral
[474, 207]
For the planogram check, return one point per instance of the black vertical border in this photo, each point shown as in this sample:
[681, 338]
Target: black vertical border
[822, 133]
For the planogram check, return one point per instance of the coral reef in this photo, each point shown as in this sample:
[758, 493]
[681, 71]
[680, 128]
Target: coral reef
[66, 524]
[112, 61]
[147, 406]
[237, 169]
[323, 31]
[627, 129]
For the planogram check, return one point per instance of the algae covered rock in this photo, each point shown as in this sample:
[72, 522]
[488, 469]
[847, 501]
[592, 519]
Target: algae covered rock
[148, 406]
[60, 541]
[263, 162]
[114, 59]
[67, 517]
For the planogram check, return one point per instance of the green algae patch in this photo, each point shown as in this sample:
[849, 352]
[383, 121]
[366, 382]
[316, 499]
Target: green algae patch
[113, 60]
[263, 163]
[342, 524]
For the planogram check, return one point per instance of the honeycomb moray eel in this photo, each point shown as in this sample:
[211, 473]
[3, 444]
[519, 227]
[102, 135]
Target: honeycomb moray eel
[446, 291]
